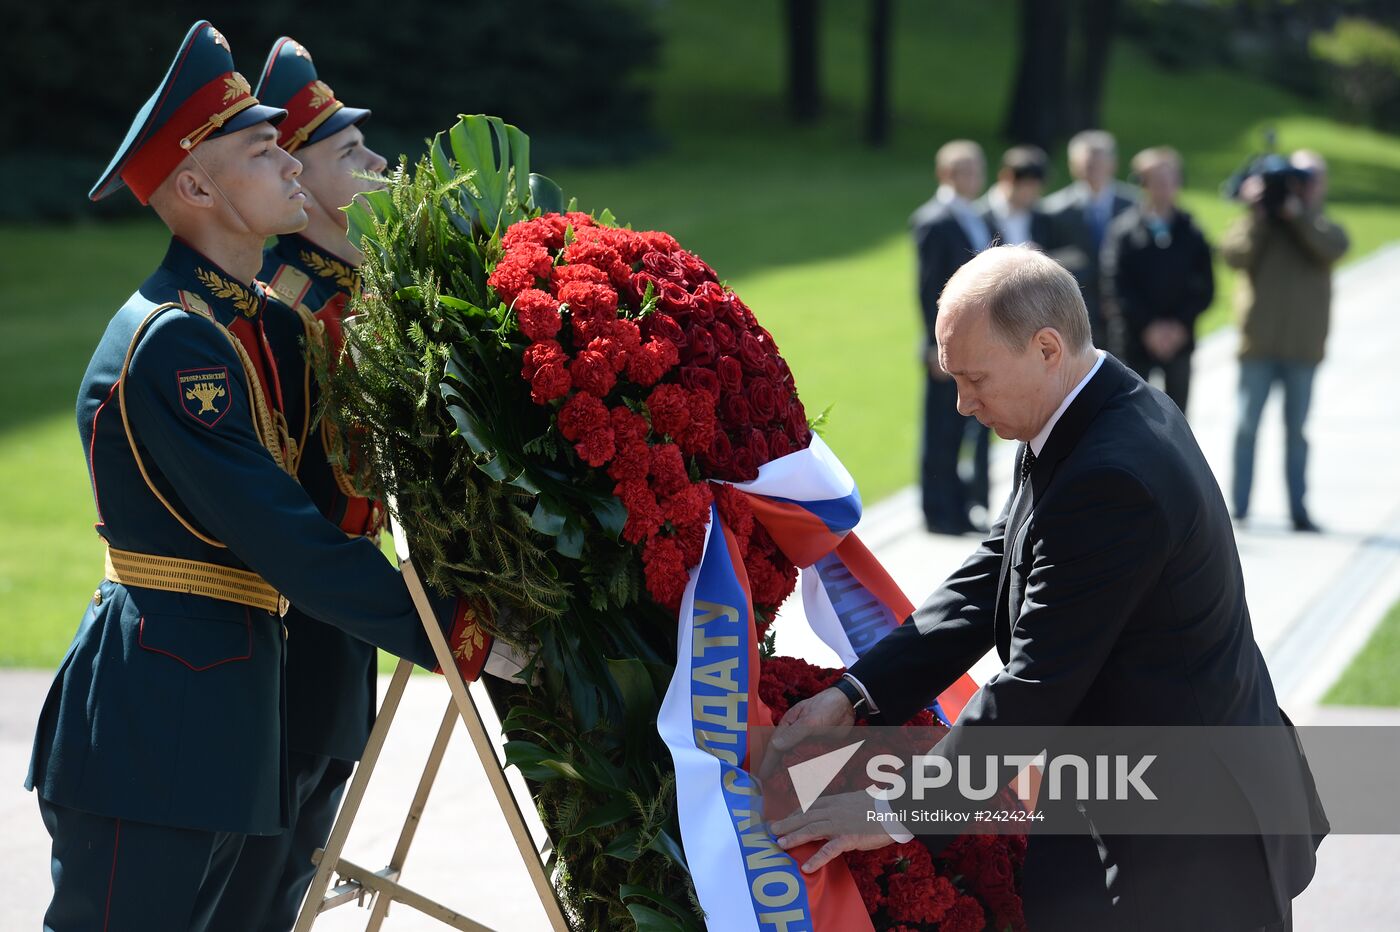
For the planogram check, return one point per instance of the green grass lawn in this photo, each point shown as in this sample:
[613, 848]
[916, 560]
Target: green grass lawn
[1373, 676]
[806, 223]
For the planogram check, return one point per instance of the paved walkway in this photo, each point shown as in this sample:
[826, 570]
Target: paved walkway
[1313, 600]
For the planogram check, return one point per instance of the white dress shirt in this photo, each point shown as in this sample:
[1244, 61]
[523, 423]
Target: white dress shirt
[1015, 225]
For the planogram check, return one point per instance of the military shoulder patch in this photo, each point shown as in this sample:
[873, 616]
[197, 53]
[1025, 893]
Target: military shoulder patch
[204, 393]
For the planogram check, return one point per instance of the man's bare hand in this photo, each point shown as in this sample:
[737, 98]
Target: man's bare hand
[829, 819]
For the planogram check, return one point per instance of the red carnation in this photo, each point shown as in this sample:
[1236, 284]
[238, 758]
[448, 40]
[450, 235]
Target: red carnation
[627, 334]
[666, 573]
[656, 241]
[538, 314]
[544, 231]
[589, 300]
[540, 354]
[668, 471]
[631, 462]
[510, 279]
[643, 512]
[670, 411]
[965, 915]
[580, 415]
[596, 447]
[577, 219]
[627, 243]
[592, 251]
[549, 382]
[700, 433]
[564, 274]
[629, 426]
[735, 511]
[692, 540]
[593, 372]
[688, 506]
[916, 898]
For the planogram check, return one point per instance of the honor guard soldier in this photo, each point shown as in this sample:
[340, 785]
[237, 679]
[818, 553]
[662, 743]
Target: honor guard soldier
[330, 674]
[160, 746]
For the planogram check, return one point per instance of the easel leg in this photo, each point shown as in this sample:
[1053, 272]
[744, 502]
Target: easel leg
[415, 813]
[354, 797]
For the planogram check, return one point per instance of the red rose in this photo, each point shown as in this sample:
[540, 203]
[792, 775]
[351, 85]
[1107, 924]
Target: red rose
[785, 374]
[771, 368]
[720, 456]
[758, 446]
[537, 314]
[562, 275]
[661, 326]
[640, 284]
[697, 379]
[779, 445]
[593, 372]
[797, 428]
[673, 299]
[666, 573]
[730, 374]
[701, 351]
[710, 296]
[734, 409]
[668, 471]
[581, 414]
[697, 271]
[663, 267]
[670, 412]
[697, 437]
[700, 313]
[762, 397]
[596, 447]
[741, 466]
[549, 382]
[751, 353]
[725, 340]
[647, 365]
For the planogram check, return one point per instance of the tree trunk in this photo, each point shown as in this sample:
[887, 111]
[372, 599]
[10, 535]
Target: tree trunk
[877, 115]
[1098, 21]
[804, 89]
[1037, 111]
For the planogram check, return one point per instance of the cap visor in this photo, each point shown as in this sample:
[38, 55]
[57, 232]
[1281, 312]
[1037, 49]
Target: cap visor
[345, 116]
[258, 113]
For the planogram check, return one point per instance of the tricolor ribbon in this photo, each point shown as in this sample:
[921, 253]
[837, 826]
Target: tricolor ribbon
[809, 504]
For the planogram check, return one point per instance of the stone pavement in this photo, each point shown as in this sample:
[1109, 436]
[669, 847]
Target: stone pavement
[1313, 599]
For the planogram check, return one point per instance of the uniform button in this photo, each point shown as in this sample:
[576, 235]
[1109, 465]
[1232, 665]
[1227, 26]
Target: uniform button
[97, 597]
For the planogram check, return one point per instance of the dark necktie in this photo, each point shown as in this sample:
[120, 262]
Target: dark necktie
[1027, 464]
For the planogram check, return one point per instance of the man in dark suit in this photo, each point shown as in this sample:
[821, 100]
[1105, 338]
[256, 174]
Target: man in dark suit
[1111, 589]
[947, 232]
[1081, 213]
[1011, 206]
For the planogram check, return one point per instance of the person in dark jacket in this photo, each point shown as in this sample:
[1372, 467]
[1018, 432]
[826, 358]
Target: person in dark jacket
[1157, 277]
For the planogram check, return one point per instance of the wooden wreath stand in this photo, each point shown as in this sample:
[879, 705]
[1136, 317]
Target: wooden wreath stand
[383, 886]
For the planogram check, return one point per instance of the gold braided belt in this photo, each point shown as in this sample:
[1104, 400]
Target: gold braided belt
[172, 574]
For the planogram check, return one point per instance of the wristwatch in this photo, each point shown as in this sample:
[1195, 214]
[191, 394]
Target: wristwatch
[859, 704]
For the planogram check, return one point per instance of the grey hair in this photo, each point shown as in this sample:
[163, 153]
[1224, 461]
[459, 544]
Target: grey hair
[1023, 291]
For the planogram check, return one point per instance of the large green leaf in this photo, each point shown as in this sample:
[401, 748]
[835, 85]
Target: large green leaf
[546, 196]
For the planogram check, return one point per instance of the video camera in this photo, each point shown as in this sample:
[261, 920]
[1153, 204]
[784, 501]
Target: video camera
[1280, 178]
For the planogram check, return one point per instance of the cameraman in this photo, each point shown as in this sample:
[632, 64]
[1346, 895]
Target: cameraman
[1285, 246]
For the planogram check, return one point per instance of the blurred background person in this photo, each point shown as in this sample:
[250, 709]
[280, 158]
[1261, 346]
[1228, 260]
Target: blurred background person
[1011, 206]
[1081, 213]
[1157, 277]
[1285, 246]
[948, 231]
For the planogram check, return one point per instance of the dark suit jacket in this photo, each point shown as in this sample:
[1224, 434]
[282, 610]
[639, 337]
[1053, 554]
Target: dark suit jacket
[942, 248]
[1071, 241]
[1146, 280]
[1041, 229]
[1113, 593]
